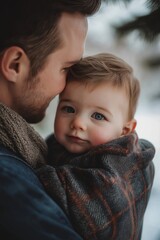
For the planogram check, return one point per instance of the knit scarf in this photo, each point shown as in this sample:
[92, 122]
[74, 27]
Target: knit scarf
[21, 138]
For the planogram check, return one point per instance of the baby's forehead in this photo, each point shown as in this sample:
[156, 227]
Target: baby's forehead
[77, 88]
[92, 84]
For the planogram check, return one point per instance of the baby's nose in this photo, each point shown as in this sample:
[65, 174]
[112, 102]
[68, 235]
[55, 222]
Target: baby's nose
[79, 123]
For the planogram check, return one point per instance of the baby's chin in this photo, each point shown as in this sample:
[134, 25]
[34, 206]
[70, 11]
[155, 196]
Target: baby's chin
[76, 149]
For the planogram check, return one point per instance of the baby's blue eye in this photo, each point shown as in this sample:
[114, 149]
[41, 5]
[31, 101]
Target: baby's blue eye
[98, 116]
[68, 109]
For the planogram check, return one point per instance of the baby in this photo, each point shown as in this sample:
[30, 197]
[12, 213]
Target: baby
[98, 103]
[98, 171]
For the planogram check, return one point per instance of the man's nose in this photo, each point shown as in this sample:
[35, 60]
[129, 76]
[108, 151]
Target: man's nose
[79, 123]
[62, 83]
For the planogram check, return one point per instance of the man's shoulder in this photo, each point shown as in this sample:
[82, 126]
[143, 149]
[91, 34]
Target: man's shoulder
[26, 207]
[13, 165]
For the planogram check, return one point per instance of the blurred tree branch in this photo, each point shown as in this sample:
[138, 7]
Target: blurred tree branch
[147, 25]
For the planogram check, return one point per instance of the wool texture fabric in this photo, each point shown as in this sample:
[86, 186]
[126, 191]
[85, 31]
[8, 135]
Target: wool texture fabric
[105, 191]
[17, 135]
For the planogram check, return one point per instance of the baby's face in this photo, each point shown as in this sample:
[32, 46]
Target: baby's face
[87, 116]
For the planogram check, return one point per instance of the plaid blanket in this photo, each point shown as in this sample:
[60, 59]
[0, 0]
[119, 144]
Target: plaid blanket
[105, 191]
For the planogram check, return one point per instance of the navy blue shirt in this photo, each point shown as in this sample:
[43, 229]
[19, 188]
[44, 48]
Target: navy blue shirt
[26, 211]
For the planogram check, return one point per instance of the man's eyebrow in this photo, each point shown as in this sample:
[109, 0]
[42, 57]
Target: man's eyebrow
[73, 62]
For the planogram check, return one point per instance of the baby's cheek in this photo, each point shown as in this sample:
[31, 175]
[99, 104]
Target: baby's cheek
[99, 137]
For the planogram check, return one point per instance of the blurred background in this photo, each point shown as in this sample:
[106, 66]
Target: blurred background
[130, 29]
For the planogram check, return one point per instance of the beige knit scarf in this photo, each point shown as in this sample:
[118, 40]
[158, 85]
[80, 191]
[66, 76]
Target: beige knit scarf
[17, 135]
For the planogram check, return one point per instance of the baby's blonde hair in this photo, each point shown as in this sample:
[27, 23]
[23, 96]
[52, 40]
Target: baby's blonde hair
[107, 67]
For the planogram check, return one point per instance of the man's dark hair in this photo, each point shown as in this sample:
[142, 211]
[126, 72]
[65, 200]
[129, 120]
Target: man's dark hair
[32, 25]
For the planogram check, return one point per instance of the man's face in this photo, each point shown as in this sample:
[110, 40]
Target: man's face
[33, 96]
[87, 116]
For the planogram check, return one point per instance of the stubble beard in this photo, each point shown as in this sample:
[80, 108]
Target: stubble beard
[31, 105]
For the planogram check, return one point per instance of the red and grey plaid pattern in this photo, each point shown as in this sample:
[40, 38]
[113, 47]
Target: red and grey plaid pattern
[104, 192]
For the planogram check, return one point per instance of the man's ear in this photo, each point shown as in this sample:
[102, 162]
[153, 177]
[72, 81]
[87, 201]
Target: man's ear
[129, 127]
[14, 63]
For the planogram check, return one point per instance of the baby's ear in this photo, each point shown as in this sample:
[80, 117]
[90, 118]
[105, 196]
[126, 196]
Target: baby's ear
[129, 127]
